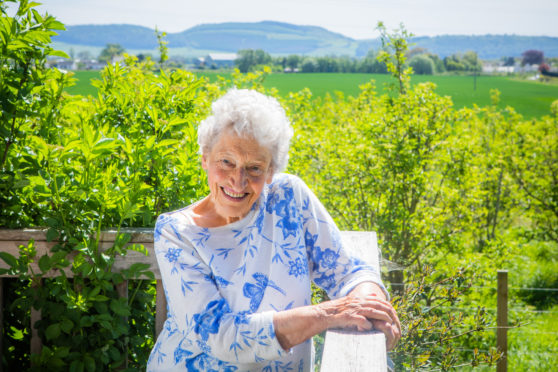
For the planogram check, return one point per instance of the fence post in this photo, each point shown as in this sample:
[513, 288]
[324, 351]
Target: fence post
[122, 290]
[1, 320]
[502, 320]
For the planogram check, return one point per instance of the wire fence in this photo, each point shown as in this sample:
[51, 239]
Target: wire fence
[524, 325]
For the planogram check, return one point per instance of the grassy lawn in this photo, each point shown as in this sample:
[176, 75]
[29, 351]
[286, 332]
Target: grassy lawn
[531, 99]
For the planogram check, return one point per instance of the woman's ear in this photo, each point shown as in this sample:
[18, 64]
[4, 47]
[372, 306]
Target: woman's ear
[269, 178]
[205, 162]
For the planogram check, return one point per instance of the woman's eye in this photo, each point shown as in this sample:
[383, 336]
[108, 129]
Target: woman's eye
[255, 171]
[225, 163]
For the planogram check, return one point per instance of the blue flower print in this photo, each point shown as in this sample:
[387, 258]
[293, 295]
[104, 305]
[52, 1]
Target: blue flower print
[255, 292]
[289, 223]
[208, 321]
[327, 258]
[310, 240]
[163, 221]
[180, 353]
[241, 318]
[298, 268]
[172, 254]
[219, 281]
[206, 363]
[327, 282]
[260, 220]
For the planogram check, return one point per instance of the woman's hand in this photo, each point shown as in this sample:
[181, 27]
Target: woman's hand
[392, 327]
[363, 313]
[364, 309]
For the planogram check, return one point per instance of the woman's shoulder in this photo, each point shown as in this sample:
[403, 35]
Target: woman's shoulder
[286, 187]
[283, 180]
[174, 221]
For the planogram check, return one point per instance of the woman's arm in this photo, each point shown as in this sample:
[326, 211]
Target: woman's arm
[358, 311]
[201, 316]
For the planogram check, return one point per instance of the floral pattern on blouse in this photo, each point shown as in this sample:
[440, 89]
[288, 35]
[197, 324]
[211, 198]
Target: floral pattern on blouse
[223, 284]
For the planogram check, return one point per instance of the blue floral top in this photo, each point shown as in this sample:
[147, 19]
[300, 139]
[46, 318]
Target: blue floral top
[223, 284]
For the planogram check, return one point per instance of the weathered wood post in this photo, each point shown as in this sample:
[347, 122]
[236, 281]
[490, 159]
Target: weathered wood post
[1, 320]
[502, 320]
[352, 351]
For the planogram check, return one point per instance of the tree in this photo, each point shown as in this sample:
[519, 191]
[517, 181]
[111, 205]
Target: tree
[395, 46]
[468, 61]
[309, 65]
[84, 55]
[249, 58]
[293, 61]
[371, 65]
[163, 49]
[110, 51]
[416, 51]
[532, 57]
[422, 65]
[508, 61]
[472, 62]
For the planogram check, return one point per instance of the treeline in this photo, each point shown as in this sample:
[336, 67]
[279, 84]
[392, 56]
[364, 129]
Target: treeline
[421, 60]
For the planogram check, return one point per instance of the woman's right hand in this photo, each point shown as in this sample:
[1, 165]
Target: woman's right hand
[363, 313]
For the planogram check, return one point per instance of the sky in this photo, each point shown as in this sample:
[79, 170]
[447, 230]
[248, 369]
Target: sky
[353, 18]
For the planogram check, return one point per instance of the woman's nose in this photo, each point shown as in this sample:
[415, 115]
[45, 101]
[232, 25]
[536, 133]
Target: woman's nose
[240, 179]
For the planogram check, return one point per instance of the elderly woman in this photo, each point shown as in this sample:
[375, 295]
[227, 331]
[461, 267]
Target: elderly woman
[237, 265]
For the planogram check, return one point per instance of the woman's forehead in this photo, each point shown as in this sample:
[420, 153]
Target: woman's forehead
[233, 145]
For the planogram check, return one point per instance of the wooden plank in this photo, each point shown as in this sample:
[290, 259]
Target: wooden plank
[160, 308]
[36, 343]
[22, 234]
[122, 290]
[352, 351]
[43, 247]
[502, 320]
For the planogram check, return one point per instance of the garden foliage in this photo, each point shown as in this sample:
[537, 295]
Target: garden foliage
[453, 195]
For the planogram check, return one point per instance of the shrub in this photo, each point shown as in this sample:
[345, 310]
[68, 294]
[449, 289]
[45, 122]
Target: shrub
[422, 65]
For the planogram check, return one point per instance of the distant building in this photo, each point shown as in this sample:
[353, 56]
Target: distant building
[491, 69]
[217, 60]
[91, 64]
[62, 64]
[76, 64]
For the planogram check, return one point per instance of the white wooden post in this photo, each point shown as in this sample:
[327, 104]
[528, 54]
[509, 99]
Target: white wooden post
[352, 351]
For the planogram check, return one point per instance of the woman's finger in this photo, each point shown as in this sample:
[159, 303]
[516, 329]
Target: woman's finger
[390, 331]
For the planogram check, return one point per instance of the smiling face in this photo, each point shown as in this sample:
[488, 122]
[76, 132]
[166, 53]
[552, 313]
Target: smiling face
[237, 170]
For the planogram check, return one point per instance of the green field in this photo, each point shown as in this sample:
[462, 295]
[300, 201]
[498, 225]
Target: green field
[531, 99]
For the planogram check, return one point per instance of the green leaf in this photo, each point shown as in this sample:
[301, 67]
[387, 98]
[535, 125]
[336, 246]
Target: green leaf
[114, 353]
[9, 259]
[119, 307]
[44, 263]
[66, 325]
[16, 334]
[53, 331]
[58, 53]
[52, 234]
[77, 366]
[89, 363]
[85, 321]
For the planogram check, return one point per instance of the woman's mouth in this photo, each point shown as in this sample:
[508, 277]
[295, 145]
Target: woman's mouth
[233, 195]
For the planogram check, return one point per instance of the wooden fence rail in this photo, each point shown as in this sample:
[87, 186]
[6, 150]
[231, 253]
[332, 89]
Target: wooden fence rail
[343, 351]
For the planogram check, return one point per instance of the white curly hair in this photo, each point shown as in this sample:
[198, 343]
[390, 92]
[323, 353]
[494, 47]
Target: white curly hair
[251, 115]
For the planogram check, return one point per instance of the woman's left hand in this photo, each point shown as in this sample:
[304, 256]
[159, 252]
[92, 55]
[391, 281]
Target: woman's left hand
[377, 298]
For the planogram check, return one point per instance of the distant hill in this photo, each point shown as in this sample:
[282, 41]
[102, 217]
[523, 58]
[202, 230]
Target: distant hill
[279, 38]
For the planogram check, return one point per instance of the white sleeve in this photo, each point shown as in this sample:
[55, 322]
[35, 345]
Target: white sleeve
[332, 266]
[201, 314]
